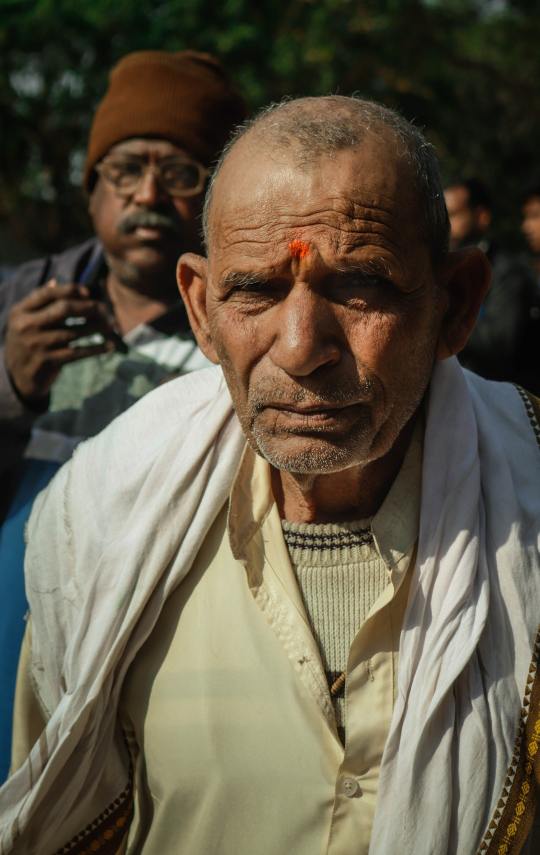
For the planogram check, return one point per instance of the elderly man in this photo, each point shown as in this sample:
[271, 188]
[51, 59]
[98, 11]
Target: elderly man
[89, 331]
[304, 621]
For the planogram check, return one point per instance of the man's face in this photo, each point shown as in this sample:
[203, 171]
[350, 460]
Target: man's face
[467, 224]
[321, 303]
[531, 223]
[140, 245]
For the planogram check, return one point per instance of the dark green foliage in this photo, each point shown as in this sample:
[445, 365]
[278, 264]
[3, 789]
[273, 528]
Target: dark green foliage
[466, 70]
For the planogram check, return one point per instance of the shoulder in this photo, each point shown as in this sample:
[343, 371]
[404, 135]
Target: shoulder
[119, 482]
[68, 265]
[168, 427]
[22, 281]
[507, 419]
[164, 414]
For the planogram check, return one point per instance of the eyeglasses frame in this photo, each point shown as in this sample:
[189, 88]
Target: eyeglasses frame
[155, 169]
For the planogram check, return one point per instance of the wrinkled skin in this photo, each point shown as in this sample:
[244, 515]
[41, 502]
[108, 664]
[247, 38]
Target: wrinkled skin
[327, 356]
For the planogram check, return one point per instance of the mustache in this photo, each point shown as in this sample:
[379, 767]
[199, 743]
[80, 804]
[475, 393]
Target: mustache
[147, 219]
[324, 394]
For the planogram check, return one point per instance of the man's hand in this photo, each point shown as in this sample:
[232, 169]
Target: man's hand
[38, 339]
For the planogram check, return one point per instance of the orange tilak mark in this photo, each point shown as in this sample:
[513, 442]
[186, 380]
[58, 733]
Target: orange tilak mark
[298, 248]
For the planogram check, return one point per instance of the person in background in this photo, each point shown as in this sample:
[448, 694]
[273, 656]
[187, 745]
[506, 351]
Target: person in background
[290, 604]
[87, 332]
[497, 348]
[530, 226]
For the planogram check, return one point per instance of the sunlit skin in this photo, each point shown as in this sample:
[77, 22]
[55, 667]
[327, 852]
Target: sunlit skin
[327, 353]
[142, 262]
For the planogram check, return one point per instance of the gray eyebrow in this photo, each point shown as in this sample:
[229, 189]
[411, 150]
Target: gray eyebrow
[371, 266]
[235, 279]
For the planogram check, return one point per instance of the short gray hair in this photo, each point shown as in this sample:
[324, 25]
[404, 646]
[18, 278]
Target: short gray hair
[303, 125]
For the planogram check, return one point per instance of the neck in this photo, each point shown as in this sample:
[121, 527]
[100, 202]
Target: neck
[132, 306]
[351, 494]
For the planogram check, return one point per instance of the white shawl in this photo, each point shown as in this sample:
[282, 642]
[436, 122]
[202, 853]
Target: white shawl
[120, 525]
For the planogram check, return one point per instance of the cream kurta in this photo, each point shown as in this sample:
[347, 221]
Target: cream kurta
[228, 702]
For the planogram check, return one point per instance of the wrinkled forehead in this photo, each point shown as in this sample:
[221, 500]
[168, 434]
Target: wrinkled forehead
[270, 194]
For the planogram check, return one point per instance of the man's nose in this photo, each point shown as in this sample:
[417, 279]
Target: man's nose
[149, 191]
[307, 334]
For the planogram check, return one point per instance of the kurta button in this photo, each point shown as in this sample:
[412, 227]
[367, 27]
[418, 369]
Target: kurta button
[350, 787]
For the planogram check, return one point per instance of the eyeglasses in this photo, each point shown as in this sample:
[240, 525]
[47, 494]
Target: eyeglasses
[176, 175]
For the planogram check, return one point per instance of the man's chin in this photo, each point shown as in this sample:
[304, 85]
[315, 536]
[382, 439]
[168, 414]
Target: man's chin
[154, 256]
[310, 455]
[143, 266]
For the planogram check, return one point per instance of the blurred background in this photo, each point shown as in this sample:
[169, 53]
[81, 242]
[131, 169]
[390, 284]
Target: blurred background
[467, 71]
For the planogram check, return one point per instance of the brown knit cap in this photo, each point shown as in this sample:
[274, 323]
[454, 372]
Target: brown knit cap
[184, 97]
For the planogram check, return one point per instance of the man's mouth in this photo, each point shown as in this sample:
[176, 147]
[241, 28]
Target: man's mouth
[148, 225]
[296, 418]
[312, 409]
[150, 232]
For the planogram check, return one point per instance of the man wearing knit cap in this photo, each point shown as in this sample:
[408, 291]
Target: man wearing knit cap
[305, 622]
[88, 331]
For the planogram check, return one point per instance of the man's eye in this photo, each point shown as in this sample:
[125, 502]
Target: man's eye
[181, 174]
[127, 169]
[256, 286]
[364, 281]
[253, 286]
[256, 292]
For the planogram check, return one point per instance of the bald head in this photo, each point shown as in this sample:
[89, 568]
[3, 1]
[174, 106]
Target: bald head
[304, 130]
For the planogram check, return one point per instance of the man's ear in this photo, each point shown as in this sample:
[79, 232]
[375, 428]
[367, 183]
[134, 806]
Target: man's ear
[483, 217]
[91, 201]
[465, 279]
[192, 278]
